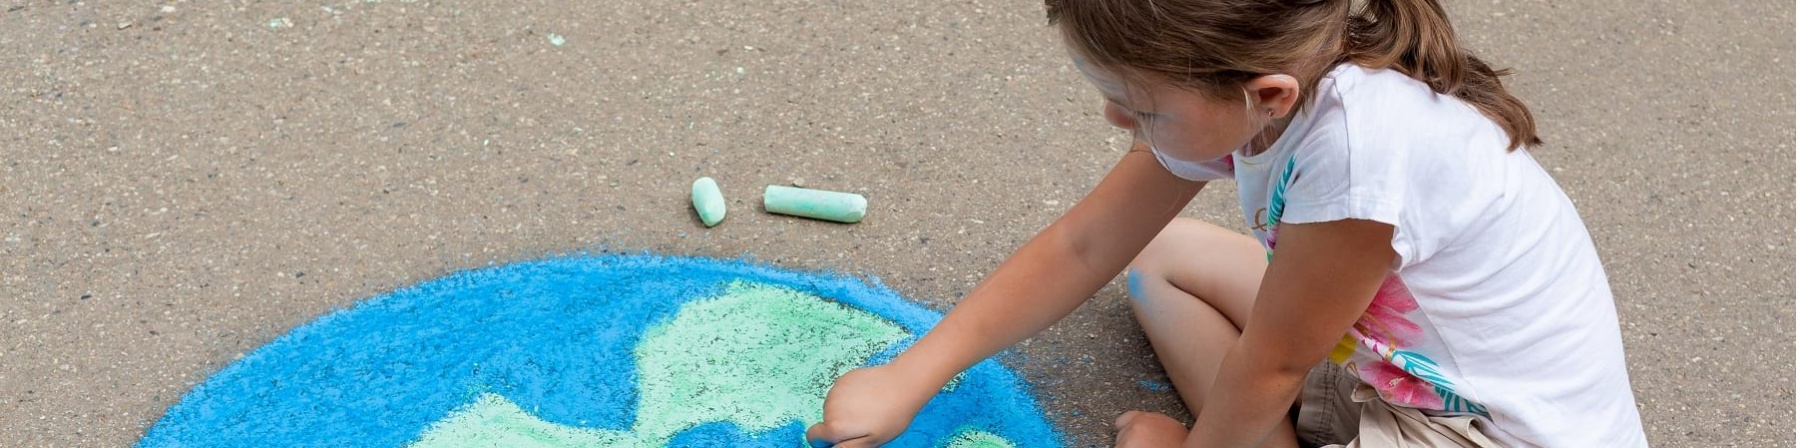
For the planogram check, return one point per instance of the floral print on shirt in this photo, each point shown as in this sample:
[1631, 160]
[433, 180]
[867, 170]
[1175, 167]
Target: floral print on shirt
[1402, 377]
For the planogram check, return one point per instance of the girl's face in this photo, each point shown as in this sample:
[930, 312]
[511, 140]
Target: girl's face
[1188, 126]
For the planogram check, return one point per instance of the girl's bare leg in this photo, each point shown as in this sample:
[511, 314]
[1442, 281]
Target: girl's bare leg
[1192, 289]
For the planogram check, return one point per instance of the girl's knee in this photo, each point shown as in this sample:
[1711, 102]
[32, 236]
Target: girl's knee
[1134, 287]
[1201, 261]
[1174, 247]
[1152, 295]
[1156, 261]
[1156, 255]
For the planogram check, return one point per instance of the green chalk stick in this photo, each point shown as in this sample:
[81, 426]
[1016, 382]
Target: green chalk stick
[708, 202]
[816, 204]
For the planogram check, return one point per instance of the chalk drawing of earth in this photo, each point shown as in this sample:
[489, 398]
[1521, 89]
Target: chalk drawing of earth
[602, 351]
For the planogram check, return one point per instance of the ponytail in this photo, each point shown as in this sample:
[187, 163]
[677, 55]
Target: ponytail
[1415, 37]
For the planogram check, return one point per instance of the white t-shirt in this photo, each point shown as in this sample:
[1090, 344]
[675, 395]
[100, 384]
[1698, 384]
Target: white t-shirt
[1498, 305]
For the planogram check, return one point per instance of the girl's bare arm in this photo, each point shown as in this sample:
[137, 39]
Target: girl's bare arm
[1322, 278]
[1057, 270]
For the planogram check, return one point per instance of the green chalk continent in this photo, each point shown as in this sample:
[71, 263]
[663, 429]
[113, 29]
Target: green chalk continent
[975, 438]
[493, 421]
[759, 357]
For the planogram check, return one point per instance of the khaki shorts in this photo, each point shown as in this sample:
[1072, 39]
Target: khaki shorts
[1338, 410]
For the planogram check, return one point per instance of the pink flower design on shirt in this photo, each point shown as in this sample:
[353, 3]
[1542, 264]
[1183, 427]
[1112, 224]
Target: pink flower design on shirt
[1400, 388]
[1385, 320]
[1385, 328]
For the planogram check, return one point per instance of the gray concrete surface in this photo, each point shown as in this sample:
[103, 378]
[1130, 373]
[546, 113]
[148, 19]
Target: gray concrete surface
[185, 180]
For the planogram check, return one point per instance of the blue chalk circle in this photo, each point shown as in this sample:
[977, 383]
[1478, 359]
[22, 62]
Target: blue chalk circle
[590, 351]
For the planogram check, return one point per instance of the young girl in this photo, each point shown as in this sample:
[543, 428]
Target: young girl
[1416, 279]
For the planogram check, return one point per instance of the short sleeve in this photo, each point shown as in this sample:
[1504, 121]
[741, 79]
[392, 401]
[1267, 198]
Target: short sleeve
[1329, 184]
[1332, 180]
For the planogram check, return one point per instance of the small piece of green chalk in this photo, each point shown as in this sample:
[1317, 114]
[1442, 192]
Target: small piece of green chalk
[708, 202]
[816, 204]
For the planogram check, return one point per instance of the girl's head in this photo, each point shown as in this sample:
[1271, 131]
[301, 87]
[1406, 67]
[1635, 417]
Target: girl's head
[1199, 78]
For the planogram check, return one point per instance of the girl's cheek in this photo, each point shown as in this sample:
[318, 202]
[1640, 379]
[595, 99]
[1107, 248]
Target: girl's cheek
[1117, 117]
[1183, 145]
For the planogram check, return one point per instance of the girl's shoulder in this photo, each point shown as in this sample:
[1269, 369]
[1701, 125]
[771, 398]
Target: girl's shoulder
[1351, 80]
[1385, 110]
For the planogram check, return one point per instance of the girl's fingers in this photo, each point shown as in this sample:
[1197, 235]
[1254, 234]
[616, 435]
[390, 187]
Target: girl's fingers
[1124, 419]
[825, 434]
[859, 442]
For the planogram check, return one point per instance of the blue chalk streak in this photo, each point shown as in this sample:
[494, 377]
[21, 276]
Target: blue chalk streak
[1154, 386]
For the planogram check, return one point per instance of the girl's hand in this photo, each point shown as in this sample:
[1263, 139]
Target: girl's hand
[870, 406]
[1139, 429]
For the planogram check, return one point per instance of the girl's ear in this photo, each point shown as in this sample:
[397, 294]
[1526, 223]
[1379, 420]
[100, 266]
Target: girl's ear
[1274, 95]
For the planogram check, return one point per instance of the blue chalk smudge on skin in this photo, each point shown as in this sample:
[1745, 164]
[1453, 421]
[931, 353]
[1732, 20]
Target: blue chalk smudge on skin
[1135, 285]
[553, 336]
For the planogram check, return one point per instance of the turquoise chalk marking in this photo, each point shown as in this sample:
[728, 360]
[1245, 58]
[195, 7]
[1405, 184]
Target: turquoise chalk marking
[732, 358]
[816, 204]
[743, 374]
[1135, 285]
[976, 438]
[708, 202]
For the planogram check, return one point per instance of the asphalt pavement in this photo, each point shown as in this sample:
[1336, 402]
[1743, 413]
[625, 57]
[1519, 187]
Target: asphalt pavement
[184, 181]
